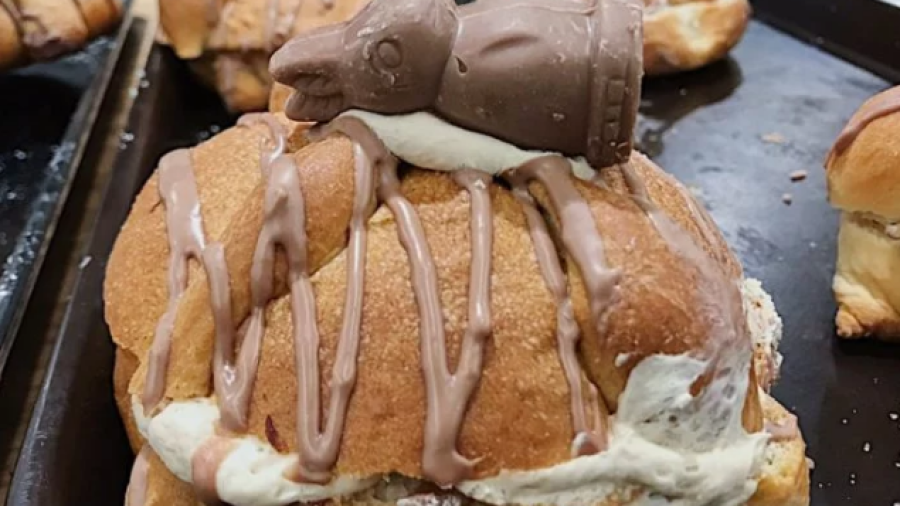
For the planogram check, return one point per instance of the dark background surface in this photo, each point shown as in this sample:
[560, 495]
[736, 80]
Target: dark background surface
[46, 111]
[706, 127]
[709, 128]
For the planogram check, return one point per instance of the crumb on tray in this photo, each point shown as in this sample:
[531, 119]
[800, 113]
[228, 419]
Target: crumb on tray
[798, 175]
[774, 138]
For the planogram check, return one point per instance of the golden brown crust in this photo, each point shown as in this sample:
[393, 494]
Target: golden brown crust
[186, 25]
[233, 42]
[866, 176]
[785, 478]
[385, 422]
[864, 182]
[39, 30]
[241, 78]
[685, 35]
[126, 365]
[279, 96]
[868, 295]
[99, 15]
[11, 48]
[164, 488]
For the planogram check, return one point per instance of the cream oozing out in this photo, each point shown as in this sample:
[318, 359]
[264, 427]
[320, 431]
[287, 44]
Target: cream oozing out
[253, 475]
[703, 437]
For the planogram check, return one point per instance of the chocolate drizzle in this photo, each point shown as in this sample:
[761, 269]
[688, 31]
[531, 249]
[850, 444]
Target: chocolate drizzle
[178, 192]
[578, 231]
[136, 493]
[448, 395]
[441, 462]
[205, 466]
[883, 104]
[233, 379]
[588, 439]
[277, 139]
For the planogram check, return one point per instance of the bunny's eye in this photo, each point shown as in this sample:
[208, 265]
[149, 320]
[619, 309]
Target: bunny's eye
[389, 54]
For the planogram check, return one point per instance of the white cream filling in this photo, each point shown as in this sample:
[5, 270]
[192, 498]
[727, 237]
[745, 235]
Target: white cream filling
[426, 141]
[700, 457]
[691, 450]
[253, 472]
[762, 318]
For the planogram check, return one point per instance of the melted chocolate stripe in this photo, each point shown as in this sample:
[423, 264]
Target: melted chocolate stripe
[285, 226]
[468, 372]
[234, 379]
[319, 450]
[136, 493]
[716, 294]
[885, 104]
[14, 16]
[277, 139]
[578, 231]
[587, 439]
[205, 468]
[441, 462]
[178, 191]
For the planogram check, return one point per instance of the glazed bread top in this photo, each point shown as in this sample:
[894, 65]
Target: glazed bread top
[194, 26]
[520, 415]
[40, 30]
[863, 167]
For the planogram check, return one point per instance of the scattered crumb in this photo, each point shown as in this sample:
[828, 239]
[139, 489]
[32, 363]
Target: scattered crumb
[84, 262]
[787, 198]
[798, 175]
[774, 138]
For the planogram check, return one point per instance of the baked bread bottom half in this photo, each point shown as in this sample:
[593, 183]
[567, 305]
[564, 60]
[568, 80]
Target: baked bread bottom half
[41, 30]
[682, 35]
[677, 393]
[863, 174]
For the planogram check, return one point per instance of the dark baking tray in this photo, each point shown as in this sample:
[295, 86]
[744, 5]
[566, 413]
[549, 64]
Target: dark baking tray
[47, 112]
[707, 127]
[866, 32]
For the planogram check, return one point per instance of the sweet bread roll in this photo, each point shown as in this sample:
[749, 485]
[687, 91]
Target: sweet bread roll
[519, 420]
[684, 35]
[229, 42]
[863, 171]
[40, 30]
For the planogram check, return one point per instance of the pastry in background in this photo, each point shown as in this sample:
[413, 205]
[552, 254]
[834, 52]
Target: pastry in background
[228, 42]
[682, 35]
[863, 171]
[40, 30]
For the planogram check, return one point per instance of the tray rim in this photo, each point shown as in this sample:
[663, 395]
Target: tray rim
[85, 115]
[86, 297]
[827, 29]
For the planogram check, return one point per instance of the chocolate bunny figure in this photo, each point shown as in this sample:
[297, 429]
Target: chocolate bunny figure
[555, 75]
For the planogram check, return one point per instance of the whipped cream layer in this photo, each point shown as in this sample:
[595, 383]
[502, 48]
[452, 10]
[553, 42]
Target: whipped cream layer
[428, 142]
[253, 473]
[647, 448]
